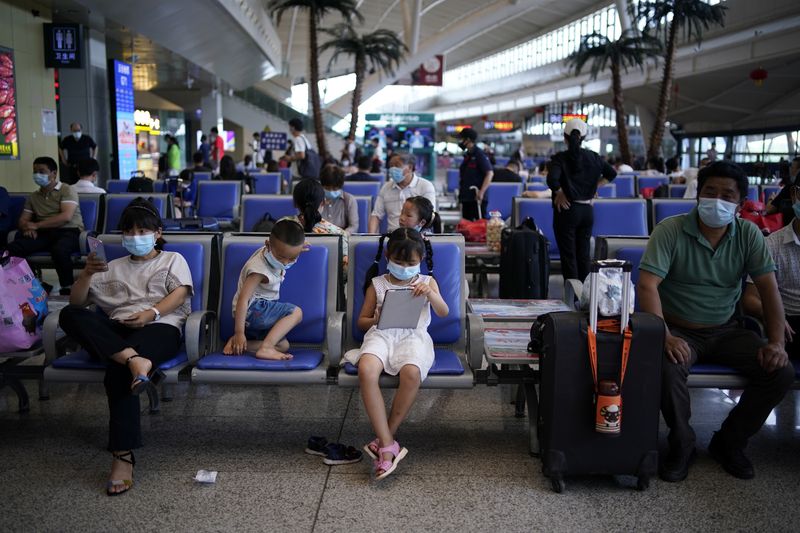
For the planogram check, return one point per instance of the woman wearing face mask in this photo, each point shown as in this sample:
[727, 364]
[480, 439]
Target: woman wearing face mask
[340, 208]
[309, 198]
[146, 298]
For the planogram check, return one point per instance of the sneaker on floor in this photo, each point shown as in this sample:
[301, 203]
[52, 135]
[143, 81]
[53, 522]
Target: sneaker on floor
[675, 466]
[317, 446]
[732, 459]
[340, 454]
[64, 291]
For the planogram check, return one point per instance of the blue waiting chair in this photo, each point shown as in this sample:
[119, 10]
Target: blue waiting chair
[536, 187]
[651, 182]
[451, 369]
[116, 186]
[269, 183]
[219, 199]
[255, 206]
[116, 204]
[627, 248]
[752, 193]
[501, 197]
[541, 211]
[363, 188]
[316, 343]
[677, 190]
[626, 185]
[609, 190]
[615, 216]
[200, 252]
[453, 178]
[364, 204]
[668, 207]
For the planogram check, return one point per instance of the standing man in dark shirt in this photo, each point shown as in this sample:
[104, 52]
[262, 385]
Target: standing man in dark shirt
[75, 148]
[574, 176]
[475, 171]
[508, 174]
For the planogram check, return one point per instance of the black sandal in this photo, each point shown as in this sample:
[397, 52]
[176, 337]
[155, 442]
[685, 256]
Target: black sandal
[141, 381]
[126, 457]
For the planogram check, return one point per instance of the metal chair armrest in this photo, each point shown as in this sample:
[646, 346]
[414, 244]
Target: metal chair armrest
[475, 344]
[198, 334]
[335, 337]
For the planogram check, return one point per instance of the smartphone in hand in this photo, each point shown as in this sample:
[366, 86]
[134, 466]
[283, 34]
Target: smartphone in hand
[96, 246]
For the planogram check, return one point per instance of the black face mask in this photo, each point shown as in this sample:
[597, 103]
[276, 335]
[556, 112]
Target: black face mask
[462, 145]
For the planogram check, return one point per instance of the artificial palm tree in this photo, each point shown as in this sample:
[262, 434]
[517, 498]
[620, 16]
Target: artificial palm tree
[381, 50]
[664, 18]
[317, 9]
[630, 50]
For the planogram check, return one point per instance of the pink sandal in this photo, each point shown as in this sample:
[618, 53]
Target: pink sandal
[389, 466]
[371, 448]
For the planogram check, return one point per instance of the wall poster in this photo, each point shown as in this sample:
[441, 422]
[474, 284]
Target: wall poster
[9, 143]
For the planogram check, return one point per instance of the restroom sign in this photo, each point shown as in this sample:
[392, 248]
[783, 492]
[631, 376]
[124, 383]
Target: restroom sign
[63, 45]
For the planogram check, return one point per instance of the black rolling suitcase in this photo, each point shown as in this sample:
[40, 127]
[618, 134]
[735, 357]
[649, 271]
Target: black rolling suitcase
[524, 262]
[574, 437]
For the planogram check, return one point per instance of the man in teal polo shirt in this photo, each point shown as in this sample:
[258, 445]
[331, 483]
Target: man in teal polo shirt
[691, 275]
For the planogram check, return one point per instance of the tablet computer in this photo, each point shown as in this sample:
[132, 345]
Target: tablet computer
[401, 309]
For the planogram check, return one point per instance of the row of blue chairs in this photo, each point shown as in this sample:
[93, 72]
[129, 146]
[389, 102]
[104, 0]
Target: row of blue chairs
[327, 329]
[632, 217]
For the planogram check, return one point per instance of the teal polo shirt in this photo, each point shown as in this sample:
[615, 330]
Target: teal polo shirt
[700, 284]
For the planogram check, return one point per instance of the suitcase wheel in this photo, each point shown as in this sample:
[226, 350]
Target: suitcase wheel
[558, 484]
[643, 483]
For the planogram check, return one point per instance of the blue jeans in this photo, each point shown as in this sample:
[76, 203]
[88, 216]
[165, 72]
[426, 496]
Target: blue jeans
[262, 315]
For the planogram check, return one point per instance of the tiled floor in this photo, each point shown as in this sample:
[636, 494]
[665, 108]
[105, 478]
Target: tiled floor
[468, 469]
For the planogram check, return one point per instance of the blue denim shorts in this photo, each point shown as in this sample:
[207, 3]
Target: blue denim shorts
[262, 315]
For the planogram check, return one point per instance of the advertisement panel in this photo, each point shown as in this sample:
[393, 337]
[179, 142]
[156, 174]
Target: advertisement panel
[125, 138]
[9, 143]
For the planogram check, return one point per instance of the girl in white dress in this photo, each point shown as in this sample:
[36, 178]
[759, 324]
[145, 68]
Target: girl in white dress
[404, 352]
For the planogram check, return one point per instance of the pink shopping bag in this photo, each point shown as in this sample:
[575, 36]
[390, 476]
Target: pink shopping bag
[23, 305]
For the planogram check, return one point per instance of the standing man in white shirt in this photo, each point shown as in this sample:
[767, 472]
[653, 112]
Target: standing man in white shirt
[299, 146]
[402, 185]
[87, 177]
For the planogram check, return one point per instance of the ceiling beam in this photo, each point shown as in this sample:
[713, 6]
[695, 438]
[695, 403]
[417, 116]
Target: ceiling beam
[457, 34]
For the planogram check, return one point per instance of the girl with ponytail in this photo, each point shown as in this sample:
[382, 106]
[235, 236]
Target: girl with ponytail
[309, 198]
[573, 179]
[404, 352]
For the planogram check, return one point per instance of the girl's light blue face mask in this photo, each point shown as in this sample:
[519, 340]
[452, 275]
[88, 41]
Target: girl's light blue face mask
[333, 195]
[402, 273]
[139, 245]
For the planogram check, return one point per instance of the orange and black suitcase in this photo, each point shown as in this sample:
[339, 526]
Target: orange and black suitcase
[582, 432]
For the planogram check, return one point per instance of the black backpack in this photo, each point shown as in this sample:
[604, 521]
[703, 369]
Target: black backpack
[139, 183]
[310, 166]
[264, 225]
[524, 262]
[662, 191]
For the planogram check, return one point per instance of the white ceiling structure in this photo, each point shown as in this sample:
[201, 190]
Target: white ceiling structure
[436, 17]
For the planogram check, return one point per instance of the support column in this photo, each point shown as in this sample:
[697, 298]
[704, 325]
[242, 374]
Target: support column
[647, 121]
[622, 13]
[211, 107]
[84, 96]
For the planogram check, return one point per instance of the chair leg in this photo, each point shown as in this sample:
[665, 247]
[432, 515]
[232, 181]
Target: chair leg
[19, 389]
[519, 403]
[167, 392]
[533, 418]
[44, 391]
[152, 396]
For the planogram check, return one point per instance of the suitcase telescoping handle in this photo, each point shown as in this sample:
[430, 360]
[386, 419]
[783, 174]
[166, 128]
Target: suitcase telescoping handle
[480, 215]
[596, 267]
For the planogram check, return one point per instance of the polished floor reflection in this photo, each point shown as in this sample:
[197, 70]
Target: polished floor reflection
[468, 469]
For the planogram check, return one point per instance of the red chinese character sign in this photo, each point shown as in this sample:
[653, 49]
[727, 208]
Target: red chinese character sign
[430, 72]
[9, 144]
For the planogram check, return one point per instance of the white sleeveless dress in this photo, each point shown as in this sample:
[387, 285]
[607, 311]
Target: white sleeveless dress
[398, 347]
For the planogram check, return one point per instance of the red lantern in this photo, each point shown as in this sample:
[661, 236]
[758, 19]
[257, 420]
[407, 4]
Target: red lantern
[758, 76]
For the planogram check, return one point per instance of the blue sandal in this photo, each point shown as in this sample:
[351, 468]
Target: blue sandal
[141, 382]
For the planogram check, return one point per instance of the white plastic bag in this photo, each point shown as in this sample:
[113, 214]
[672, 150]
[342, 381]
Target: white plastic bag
[609, 292]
